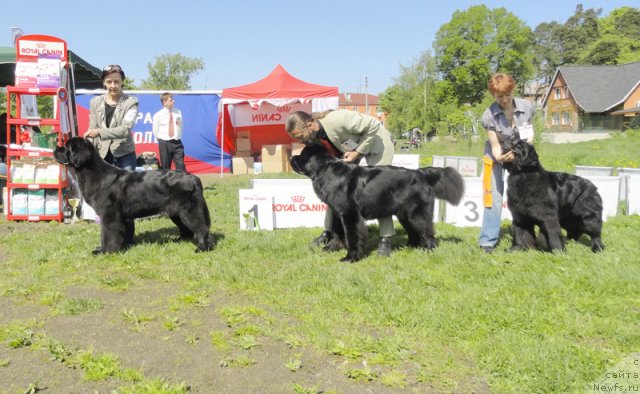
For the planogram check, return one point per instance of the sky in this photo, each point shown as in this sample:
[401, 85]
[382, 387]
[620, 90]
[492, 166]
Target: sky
[358, 46]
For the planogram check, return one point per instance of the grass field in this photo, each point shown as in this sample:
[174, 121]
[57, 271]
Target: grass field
[264, 312]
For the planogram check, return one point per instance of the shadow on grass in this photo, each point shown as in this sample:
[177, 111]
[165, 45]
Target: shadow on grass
[167, 235]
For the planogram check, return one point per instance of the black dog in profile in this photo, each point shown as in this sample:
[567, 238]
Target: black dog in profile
[119, 196]
[550, 200]
[357, 193]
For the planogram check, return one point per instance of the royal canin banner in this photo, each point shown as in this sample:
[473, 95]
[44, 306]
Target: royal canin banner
[200, 117]
[267, 114]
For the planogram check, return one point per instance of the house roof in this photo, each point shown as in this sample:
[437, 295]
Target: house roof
[599, 88]
[357, 99]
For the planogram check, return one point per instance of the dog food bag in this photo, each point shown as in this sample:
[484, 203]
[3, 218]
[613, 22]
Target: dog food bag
[26, 74]
[53, 171]
[48, 71]
[16, 171]
[41, 172]
[35, 202]
[28, 172]
[19, 201]
[51, 202]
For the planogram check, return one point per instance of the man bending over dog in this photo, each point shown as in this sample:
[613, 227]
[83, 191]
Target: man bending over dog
[350, 136]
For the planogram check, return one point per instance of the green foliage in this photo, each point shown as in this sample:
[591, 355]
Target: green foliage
[579, 31]
[412, 101]
[478, 42]
[155, 386]
[172, 72]
[97, 367]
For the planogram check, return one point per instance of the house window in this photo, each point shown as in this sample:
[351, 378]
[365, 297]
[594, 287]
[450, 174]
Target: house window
[566, 92]
[558, 94]
[555, 119]
[566, 118]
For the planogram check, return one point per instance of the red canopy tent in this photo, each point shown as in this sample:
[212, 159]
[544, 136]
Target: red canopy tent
[262, 107]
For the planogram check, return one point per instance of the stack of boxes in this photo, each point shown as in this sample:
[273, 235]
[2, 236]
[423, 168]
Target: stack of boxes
[275, 158]
[243, 161]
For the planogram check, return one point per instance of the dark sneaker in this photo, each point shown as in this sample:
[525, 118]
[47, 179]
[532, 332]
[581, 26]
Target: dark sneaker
[323, 239]
[384, 249]
[487, 249]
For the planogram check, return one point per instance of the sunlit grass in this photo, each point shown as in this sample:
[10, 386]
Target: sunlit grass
[521, 322]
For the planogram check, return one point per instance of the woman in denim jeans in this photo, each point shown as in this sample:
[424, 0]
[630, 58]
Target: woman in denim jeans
[504, 118]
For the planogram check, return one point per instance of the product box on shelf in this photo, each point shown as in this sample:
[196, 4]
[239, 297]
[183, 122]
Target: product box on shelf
[26, 74]
[19, 200]
[35, 202]
[51, 202]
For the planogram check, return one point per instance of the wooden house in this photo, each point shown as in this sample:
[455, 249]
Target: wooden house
[584, 98]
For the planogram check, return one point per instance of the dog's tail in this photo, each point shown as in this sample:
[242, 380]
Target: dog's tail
[446, 182]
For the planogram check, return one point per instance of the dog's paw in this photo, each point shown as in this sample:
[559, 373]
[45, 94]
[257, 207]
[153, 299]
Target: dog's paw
[597, 246]
[97, 251]
[334, 245]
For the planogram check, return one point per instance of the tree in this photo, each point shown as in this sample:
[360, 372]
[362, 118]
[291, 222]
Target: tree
[578, 33]
[621, 28]
[172, 72]
[547, 51]
[603, 51]
[411, 101]
[478, 42]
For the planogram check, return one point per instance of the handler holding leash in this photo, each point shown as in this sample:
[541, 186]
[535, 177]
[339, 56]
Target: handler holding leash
[349, 135]
[505, 117]
[111, 118]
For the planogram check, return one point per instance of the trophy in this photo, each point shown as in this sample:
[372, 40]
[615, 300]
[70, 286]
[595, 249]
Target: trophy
[74, 205]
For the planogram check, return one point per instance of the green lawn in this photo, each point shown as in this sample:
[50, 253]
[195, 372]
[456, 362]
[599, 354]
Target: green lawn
[450, 320]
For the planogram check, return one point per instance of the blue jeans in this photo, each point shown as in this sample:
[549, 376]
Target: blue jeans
[492, 217]
[127, 162]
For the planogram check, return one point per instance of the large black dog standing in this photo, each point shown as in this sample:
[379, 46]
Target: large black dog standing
[550, 200]
[355, 193]
[119, 196]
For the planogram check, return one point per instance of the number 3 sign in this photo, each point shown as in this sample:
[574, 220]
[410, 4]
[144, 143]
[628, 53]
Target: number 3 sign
[469, 212]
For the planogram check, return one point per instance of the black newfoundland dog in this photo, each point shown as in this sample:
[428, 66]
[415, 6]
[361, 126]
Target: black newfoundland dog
[357, 193]
[119, 196]
[549, 200]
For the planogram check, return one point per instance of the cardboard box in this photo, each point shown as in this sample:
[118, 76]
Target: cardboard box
[275, 153]
[243, 134]
[243, 153]
[273, 167]
[242, 164]
[243, 144]
[296, 148]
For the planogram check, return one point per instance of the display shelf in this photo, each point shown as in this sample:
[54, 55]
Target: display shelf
[35, 218]
[37, 197]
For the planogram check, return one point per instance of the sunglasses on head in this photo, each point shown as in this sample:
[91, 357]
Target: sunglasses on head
[112, 67]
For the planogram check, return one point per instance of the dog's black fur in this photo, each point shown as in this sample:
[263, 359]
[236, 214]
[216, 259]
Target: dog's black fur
[119, 196]
[550, 200]
[356, 193]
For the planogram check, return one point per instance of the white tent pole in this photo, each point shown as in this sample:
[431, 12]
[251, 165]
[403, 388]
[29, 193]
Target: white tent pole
[222, 144]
